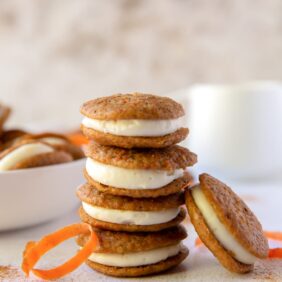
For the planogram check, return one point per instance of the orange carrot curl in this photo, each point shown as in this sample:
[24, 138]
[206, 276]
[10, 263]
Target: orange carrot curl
[198, 242]
[275, 253]
[273, 235]
[35, 250]
[77, 139]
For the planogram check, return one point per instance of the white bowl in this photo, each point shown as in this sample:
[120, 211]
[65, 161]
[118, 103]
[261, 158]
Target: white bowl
[36, 195]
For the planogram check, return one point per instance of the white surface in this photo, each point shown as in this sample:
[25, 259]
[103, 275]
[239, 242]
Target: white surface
[32, 196]
[264, 200]
[130, 178]
[226, 239]
[135, 259]
[135, 127]
[130, 217]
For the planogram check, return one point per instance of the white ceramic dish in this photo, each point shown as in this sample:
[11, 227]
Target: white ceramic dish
[235, 129]
[32, 196]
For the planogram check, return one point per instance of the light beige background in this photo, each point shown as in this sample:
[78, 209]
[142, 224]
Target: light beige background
[54, 54]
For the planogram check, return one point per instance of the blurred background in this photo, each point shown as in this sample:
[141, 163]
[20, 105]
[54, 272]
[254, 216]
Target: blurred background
[56, 54]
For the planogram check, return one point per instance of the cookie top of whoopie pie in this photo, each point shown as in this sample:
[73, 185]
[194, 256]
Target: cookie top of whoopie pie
[132, 106]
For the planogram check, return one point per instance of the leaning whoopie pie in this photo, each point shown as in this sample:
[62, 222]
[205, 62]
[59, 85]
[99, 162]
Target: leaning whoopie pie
[134, 120]
[120, 213]
[123, 254]
[138, 173]
[226, 225]
[58, 141]
[30, 153]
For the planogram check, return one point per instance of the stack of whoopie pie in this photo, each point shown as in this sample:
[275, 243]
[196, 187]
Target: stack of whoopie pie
[135, 176]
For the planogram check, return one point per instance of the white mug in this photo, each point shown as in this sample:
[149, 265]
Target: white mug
[236, 130]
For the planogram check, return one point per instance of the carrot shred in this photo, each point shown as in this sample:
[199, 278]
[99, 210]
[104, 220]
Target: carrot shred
[275, 253]
[35, 250]
[198, 242]
[273, 235]
[77, 139]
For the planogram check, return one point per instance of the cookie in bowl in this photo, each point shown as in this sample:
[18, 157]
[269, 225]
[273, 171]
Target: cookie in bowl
[58, 141]
[134, 121]
[31, 153]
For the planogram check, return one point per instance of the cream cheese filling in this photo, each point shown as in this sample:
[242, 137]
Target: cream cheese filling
[135, 127]
[135, 259]
[130, 217]
[22, 153]
[221, 233]
[130, 178]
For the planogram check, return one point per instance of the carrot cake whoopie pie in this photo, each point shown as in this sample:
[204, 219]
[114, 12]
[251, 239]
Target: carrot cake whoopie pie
[137, 254]
[30, 153]
[226, 225]
[134, 120]
[138, 173]
[120, 213]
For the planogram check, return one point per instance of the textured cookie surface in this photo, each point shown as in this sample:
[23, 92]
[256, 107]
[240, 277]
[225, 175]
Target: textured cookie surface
[207, 237]
[132, 106]
[171, 158]
[141, 270]
[171, 188]
[130, 227]
[89, 194]
[235, 215]
[123, 242]
[129, 142]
